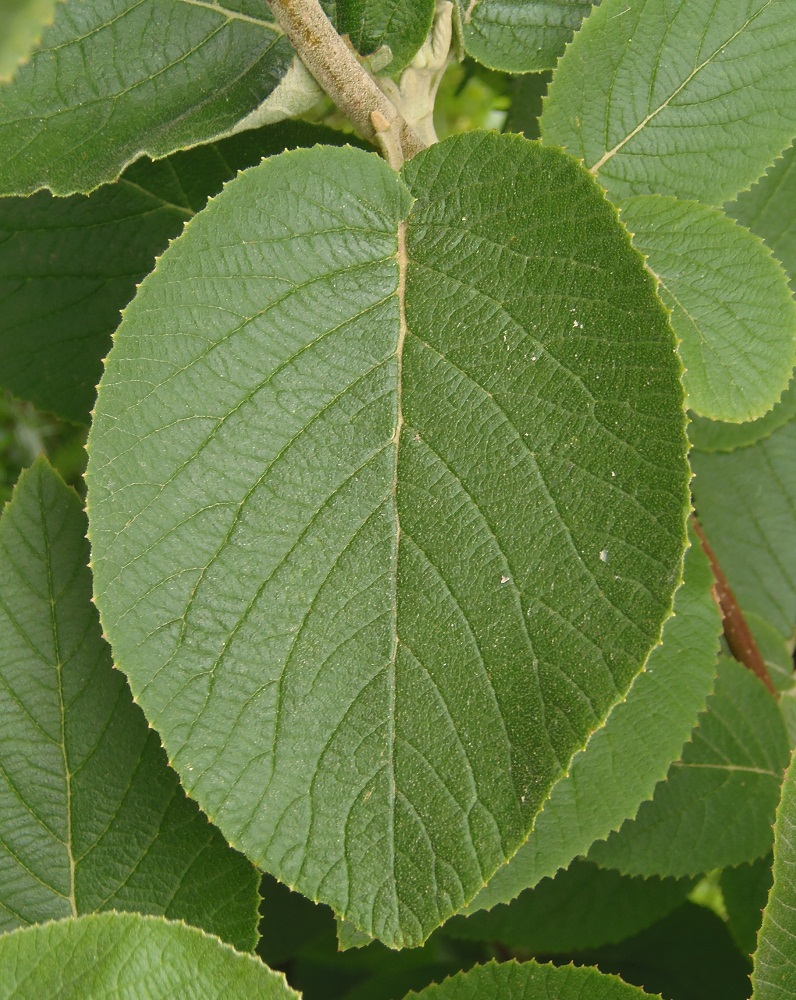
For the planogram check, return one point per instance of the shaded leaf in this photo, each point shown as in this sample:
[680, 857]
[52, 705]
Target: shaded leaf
[774, 975]
[716, 435]
[402, 25]
[769, 210]
[93, 819]
[300, 649]
[21, 25]
[126, 954]
[526, 103]
[689, 955]
[513, 981]
[582, 907]
[745, 502]
[694, 99]
[745, 891]
[717, 804]
[78, 114]
[518, 36]
[625, 760]
[69, 265]
[731, 305]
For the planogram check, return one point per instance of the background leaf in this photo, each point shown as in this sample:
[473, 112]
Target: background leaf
[400, 24]
[78, 115]
[717, 804]
[520, 36]
[68, 266]
[769, 210]
[21, 25]
[745, 502]
[126, 954]
[93, 819]
[774, 975]
[582, 907]
[731, 305]
[745, 891]
[716, 435]
[625, 760]
[513, 981]
[693, 99]
[303, 685]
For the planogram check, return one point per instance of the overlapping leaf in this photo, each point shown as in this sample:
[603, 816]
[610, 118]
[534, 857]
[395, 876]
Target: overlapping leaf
[689, 99]
[402, 25]
[774, 975]
[93, 819]
[126, 954]
[744, 890]
[517, 36]
[69, 265]
[356, 483]
[626, 759]
[731, 306]
[79, 113]
[717, 804]
[512, 981]
[717, 435]
[745, 501]
[582, 907]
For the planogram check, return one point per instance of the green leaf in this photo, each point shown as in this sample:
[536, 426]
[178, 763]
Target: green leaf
[78, 114]
[768, 209]
[774, 975]
[68, 266]
[689, 955]
[126, 954]
[402, 25]
[582, 907]
[691, 99]
[745, 502]
[626, 759]
[338, 464]
[514, 981]
[526, 103]
[731, 305]
[21, 25]
[745, 891]
[519, 36]
[93, 819]
[717, 804]
[715, 435]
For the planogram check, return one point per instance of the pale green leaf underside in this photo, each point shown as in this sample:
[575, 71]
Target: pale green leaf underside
[93, 819]
[330, 519]
[21, 25]
[717, 435]
[688, 99]
[79, 113]
[774, 975]
[626, 759]
[529, 981]
[129, 955]
[746, 501]
[731, 305]
[716, 807]
[769, 210]
[582, 907]
[520, 36]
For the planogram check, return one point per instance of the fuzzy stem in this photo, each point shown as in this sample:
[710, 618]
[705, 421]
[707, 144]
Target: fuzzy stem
[345, 80]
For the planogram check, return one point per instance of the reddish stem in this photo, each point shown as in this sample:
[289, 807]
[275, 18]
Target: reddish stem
[736, 631]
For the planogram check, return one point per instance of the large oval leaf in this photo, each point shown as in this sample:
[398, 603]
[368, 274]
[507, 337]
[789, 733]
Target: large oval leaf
[127, 955]
[692, 99]
[386, 514]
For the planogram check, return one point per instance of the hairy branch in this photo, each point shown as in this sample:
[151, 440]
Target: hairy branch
[345, 80]
[736, 630]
